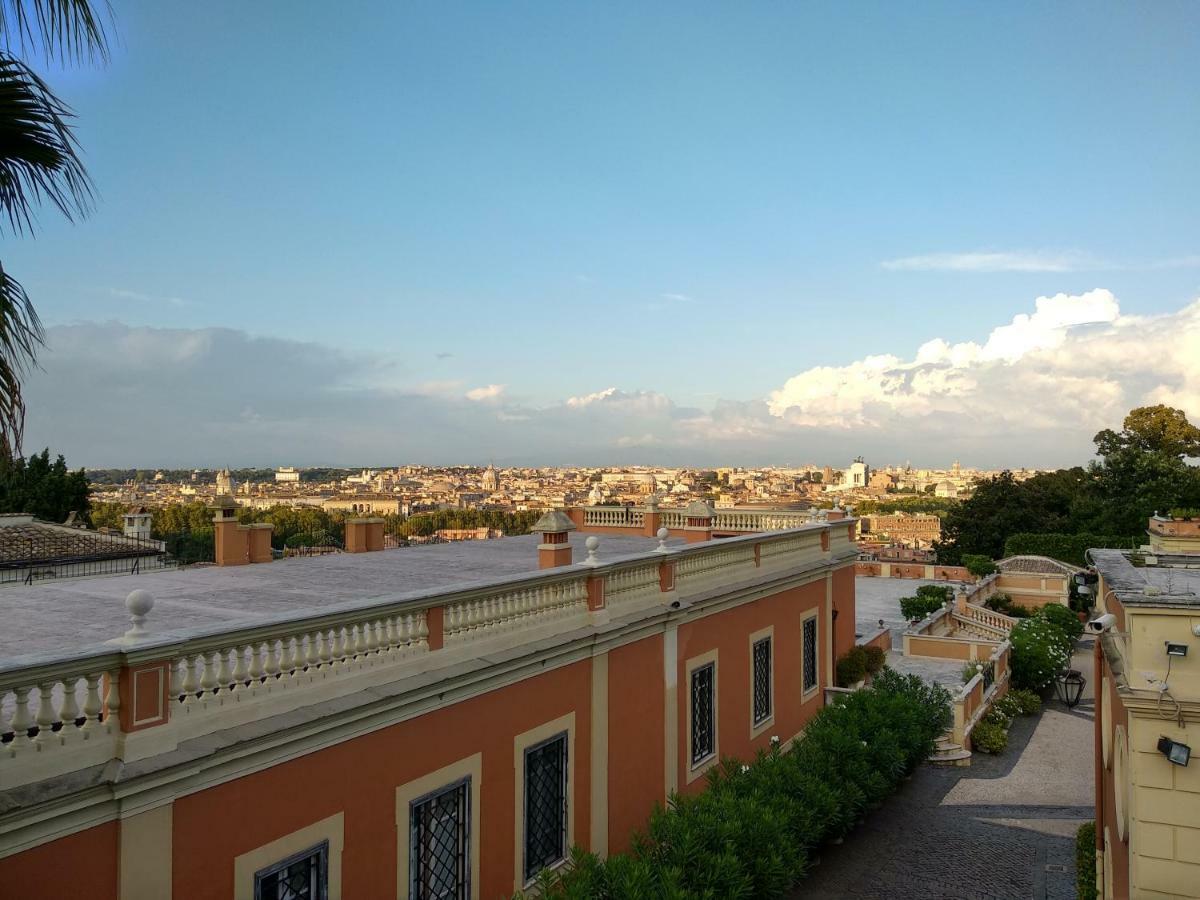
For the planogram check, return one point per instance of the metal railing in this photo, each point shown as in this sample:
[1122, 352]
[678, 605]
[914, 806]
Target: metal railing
[58, 554]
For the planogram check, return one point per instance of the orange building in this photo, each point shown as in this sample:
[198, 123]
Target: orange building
[442, 721]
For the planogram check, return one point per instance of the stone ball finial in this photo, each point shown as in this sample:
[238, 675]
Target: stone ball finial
[663, 534]
[139, 603]
[591, 543]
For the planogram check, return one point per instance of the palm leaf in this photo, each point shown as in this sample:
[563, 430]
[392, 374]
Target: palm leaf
[62, 29]
[38, 152]
[20, 336]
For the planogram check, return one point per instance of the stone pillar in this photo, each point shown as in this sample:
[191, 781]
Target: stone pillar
[555, 549]
[653, 518]
[698, 518]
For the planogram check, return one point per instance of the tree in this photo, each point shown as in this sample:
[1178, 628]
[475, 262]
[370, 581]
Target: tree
[39, 162]
[1152, 429]
[45, 489]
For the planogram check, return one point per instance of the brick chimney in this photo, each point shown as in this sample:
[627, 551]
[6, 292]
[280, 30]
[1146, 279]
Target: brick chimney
[364, 535]
[652, 518]
[698, 518]
[235, 544]
[554, 526]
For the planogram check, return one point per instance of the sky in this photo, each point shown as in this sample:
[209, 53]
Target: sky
[679, 233]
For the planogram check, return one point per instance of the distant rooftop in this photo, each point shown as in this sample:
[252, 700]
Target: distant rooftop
[64, 616]
[1172, 582]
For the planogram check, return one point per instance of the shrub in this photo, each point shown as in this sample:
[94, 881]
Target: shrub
[1002, 603]
[1064, 619]
[1085, 861]
[989, 737]
[1040, 649]
[753, 833]
[876, 657]
[928, 599]
[1068, 548]
[979, 565]
[1029, 702]
[852, 667]
[1011, 706]
[1187, 513]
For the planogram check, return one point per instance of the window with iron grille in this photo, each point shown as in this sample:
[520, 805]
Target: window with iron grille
[545, 804]
[304, 876]
[762, 680]
[703, 725]
[810, 653]
[440, 844]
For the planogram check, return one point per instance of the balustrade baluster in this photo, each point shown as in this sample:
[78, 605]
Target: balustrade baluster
[337, 647]
[21, 720]
[190, 678]
[360, 643]
[45, 714]
[224, 671]
[271, 661]
[256, 662]
[112, 701]
[68, 710]
[91, 703]
[208, 681]
[422, 631]
[240, 676]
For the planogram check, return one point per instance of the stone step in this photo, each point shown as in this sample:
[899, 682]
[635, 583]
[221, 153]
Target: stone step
[943, 744]
[959, 757]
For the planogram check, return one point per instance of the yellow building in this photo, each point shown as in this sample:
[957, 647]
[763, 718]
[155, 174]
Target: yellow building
[1147, 677]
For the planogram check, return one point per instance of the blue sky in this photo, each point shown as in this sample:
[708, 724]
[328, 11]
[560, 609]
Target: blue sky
[694, 201]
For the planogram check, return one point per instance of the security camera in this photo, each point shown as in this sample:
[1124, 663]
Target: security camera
[1103, 623]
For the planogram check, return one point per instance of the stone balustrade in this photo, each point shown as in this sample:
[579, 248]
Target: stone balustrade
[987, 618]
[747, 521]
[146, 692]
[972, 701]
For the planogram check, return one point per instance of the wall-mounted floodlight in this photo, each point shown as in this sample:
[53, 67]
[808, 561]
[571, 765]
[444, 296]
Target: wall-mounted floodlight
[1176, 649]
[1175, 752]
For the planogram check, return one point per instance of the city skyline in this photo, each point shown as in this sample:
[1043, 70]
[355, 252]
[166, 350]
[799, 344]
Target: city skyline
[568, 236]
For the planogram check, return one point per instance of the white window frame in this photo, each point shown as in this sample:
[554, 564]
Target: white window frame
[814, 617]
[469, 768]
[525, 741]
[330, 830]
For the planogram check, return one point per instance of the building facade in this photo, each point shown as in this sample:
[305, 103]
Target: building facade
[1147, 679]
[448, 741]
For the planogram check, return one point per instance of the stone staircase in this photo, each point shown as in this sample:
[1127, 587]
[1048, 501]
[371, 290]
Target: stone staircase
[949, 753]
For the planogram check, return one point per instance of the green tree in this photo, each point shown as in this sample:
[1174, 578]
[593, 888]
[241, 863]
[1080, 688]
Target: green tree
[1153, 429]
[47, 490]
[39, 163]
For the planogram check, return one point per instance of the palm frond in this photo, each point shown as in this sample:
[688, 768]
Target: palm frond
[39, 157]
[57, 29]
[20, 336]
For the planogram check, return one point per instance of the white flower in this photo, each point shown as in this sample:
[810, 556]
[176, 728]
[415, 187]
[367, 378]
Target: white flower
[745, 769]
[774, 739]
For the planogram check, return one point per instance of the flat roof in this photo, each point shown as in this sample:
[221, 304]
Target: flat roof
[1151, 585]
[66, 616]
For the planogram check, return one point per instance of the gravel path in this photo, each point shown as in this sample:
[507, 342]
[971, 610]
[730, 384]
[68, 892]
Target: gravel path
[1001, 829]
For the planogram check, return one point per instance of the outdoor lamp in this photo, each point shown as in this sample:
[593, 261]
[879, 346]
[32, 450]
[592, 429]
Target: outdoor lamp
[1069, 687]
[1174, 751]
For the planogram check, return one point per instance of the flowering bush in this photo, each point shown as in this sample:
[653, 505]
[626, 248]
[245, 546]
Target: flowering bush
[1064, 618]
[989, 737]
[1040, 649]
[753, 833]
[1029, 702]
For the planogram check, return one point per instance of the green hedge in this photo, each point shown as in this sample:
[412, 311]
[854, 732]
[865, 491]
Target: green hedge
[1085, 861]
[756, 829]
[1068, 548]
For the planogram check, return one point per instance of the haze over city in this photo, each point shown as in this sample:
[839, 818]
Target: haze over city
[538, 234]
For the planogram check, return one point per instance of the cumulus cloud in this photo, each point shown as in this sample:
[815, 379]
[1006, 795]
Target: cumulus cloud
[1074, 365]
[487, 392]
[1030, 390]
[986, 261]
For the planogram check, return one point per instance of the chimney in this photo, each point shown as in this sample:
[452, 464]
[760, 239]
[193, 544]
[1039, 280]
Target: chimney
[698, 519]
[652, 518]
[364, 535]
[554, 550]
[236, 544]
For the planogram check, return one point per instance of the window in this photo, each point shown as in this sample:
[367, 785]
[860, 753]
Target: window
[703, 730]
[810, 653]
[762, 680]
[440, 844]
[545, 804]
[304, 876]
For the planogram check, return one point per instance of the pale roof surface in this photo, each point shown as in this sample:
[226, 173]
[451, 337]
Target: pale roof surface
[66, 615]
[1170, 585]
[1036, 565]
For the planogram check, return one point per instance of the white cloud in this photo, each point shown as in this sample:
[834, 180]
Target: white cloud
[678, 298]
[1031, 390]
[989, 261]
[124, 294]
[1074, 365]
[487, 392]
